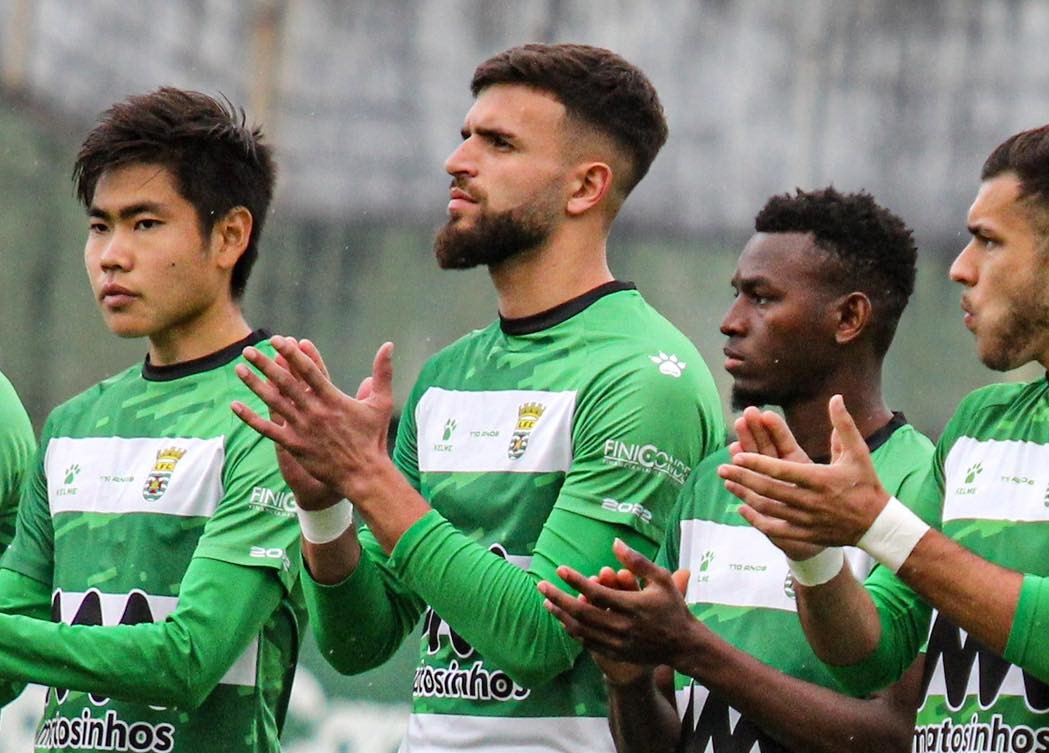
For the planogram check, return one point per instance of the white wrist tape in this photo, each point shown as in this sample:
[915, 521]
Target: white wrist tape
[893, 535]
[322, 526]
[819, 569]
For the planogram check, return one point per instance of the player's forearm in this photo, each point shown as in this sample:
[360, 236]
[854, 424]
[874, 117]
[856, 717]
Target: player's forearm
[641, 718]
[360, 621]
[176, 662]
[333, 561]
[22, 595]
[977, 595]
[1026, 647]
[386, 501]
[489, 602]
[839, 619]
[800, 715]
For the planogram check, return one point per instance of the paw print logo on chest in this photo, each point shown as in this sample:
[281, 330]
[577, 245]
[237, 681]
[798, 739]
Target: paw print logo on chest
[669, 364]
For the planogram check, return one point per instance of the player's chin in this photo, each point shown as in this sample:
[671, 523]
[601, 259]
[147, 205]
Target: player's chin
[746, 392]
[126, 326]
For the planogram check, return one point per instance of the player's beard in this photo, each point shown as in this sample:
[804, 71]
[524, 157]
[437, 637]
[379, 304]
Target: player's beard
[803, 387]
[493, 238]
[1016, 341]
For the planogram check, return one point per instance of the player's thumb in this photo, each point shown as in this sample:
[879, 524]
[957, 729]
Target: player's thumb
[382, 372]
[848, 436]
[681, 578]
[634, 561]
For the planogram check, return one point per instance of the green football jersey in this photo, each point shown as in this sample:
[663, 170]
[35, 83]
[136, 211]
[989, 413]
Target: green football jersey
[137, 477]
[598, 408]
[991, 472]
[16, 453]
[742, 590]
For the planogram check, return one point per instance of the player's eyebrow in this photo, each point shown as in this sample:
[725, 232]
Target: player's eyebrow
[125, 213]
[485, 131]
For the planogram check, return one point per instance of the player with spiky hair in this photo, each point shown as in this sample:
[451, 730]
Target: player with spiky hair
[152, 582]
[986, 574]
[811, 318]
[570, 421]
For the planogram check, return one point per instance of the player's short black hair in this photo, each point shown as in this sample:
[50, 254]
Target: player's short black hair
[874, 249]
[598, 89]
[1026, 154]
[217, 160]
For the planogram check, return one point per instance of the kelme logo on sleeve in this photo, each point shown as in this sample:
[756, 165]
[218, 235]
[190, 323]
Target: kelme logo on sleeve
[160, 476]
[528, 416]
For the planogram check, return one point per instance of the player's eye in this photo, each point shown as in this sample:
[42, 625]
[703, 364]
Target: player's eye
[147, 224]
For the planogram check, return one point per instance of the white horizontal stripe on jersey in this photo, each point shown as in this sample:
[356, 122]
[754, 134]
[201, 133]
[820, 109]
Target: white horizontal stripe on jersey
[448, 733]
[996, 480]
[168, 476]
[738, 566]
[503, 431]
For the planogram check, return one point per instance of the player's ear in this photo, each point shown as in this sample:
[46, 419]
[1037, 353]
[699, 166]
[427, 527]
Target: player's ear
[230, 236]
[853, 316]
[591, 182]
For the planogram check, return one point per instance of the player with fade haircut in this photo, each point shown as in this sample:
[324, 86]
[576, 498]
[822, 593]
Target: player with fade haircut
[986, 572]
[570, 421]
[820, 289]
[17, 444]
[155, 529]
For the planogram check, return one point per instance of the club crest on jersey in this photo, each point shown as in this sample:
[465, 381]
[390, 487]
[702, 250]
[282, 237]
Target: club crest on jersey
[527, 417]
[157, 481]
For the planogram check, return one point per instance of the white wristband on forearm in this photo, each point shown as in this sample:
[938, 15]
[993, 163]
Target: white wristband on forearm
[817, 570]
[893, 535]
[322, 526]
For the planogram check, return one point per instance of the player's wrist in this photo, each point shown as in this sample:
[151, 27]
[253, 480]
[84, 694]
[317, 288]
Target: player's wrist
[818, 569]
[370, 490]
[327, 524]
[625, 676]
[892, 536]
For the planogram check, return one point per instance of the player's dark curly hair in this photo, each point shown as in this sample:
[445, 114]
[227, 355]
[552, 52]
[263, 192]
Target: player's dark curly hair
[597, 87]
[217, 161]
[873, 248]
[1026, 154]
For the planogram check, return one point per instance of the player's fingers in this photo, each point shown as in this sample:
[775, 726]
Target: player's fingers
[766, 485]
[266, 428]
[774, 527]
[594, 636]
[303, 368]
[280, 406]
[572, 578]
[582, 611]
[769, 505]
[307, 347]
[782, 438]
[788, 472]
[596, 594]
[288, 385]
[627, 581]
[753, 434]
[639, 564]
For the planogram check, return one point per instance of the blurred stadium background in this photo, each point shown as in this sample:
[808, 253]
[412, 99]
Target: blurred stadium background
[363, 100]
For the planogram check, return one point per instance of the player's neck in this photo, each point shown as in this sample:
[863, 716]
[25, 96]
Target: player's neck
[211, 331]
[539, 280]
[810, 423]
